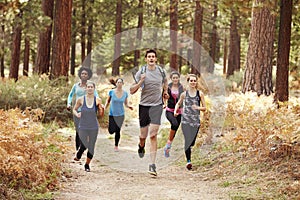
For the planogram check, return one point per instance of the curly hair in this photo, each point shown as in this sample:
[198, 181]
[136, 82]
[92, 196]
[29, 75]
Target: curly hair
[88, 70]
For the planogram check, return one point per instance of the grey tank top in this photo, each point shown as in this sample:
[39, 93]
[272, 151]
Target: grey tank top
[191, 116]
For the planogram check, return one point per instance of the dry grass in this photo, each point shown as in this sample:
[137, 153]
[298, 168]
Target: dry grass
[259, 155]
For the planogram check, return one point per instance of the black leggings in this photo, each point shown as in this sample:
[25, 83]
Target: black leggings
[114, 126]
[190, 135]
[175, 121]
[88, 140]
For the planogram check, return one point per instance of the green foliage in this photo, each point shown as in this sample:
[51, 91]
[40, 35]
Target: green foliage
[235, 81]
[37, 92]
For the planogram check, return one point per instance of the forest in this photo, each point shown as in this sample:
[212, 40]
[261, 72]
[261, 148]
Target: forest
[245, 52]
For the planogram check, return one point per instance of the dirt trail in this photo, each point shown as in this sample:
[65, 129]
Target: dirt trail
[123, 175]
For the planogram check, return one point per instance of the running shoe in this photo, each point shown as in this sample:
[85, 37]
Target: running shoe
[189, 165]
[87, 168]
[141, 151]
[116, 149]
[152, 170]
[167, 150]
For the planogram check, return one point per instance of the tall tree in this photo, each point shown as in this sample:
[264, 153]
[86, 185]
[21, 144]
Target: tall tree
[196, 60]
[90, 32]
[173, 33]
[26, 56]
[225, 49]
[213, 44]
[258, 73]
[117, 47]
[2, 51]
[139, 33]
[83, 30]
[42, 62]
[282, 72]
[73, 42]
[61, 38]
[234, 46]
[16, 47]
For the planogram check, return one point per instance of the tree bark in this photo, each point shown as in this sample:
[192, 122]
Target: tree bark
[90, 34]
[82, 31]
[225, 54]
[234, 47]
[61, 38]
[258, 73]
[196, 60]
[117, 47]
[139, 33]
[2, 52]
[73, 43]
[42, 62]
[26, 57]
[213, 44]
[173, 33]
[284, 41]
[16, 48]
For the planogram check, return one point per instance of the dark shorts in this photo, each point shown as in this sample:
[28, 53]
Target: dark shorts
[115, 123]
[150, 115]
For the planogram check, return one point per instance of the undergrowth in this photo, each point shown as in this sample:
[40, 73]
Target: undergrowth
[259, 155]
[30, 156]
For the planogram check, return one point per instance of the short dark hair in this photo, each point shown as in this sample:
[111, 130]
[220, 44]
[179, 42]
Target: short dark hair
[88, 70]
[150, 51]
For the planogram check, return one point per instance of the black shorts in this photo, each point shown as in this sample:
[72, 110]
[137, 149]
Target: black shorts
[150, 115]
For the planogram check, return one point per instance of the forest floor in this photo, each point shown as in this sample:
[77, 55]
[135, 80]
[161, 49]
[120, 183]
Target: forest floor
[123, 175]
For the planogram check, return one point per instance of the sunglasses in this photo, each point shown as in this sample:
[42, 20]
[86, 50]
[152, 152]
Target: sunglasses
[193, 81]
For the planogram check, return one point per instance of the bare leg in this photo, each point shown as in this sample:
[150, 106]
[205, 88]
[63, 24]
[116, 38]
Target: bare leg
[143, 135]
[153, 142]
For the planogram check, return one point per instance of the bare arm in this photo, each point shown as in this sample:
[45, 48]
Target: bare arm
[126, 104]
[178, 104]
[100, 106]
[107, 102]
[134, 87]
[203, 107]
[165, 89]
[77, 105]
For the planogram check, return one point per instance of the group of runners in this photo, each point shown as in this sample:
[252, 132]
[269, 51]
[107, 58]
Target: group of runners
[182, 107]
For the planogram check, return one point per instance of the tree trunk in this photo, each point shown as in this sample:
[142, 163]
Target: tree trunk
[82, 30]
[213, 45]
[2, 52]
[282, 72]
[42, 61]
[26, 57]
[234, 48]
[258, 73]
[73, 43]
[225, 55]
[173, 33]
[139, 34]
[117, 47]
[90, 34]
[196, 61]
[61, 38]
[16, 46]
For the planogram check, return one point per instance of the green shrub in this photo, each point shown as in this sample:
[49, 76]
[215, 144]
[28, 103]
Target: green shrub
[38, 92]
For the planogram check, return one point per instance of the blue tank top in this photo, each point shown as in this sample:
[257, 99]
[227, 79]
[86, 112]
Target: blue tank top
[88, 119]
